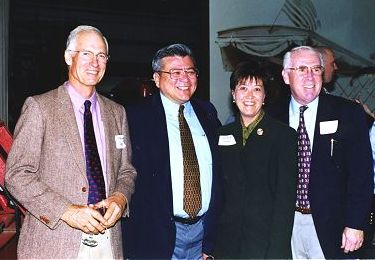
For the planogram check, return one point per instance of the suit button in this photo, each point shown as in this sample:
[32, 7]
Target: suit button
[83, 189]
[44, 219]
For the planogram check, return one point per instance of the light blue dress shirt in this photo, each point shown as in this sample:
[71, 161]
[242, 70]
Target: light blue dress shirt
[372, 140]
[202, 149]
[309, 116]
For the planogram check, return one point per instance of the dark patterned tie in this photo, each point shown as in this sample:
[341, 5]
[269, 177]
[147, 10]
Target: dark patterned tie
[192, 186]
[93, 166]
[304, 160]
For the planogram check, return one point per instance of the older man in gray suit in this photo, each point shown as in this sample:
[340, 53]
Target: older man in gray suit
[48, 166]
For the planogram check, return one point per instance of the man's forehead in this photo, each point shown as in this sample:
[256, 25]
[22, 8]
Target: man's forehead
[172, 61]
[305, 56]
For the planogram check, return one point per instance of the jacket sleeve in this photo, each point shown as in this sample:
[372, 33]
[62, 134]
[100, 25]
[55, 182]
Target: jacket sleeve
[23, 173]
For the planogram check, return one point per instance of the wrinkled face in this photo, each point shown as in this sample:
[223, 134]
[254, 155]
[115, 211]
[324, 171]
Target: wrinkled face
[85, 69]
[330, 66]
[304, 88]
[178, 89]
[249, 96]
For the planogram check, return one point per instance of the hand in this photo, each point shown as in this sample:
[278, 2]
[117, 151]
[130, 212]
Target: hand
[352, 239]
[115, 206]
[84, 218]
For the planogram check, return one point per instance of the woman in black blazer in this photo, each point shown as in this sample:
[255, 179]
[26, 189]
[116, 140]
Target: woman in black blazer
[259, 160]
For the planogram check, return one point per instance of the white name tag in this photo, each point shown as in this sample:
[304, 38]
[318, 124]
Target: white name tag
[119, 139]
[328, 127]
[226, 140]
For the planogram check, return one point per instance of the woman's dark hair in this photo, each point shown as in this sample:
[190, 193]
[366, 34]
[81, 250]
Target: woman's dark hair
[252, 70]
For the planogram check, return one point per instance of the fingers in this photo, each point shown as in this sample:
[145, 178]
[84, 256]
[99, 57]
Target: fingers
[351, 240]
[84, 218]
[343, 241]
[113, 214]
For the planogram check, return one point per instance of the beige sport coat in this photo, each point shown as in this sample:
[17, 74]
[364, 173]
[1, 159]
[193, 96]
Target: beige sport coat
[45, 172]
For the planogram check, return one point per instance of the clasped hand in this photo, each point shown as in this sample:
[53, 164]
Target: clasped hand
[90, 220]
[352, 239]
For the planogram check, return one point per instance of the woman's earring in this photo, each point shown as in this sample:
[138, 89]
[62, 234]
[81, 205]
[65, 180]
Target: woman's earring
[234, 101]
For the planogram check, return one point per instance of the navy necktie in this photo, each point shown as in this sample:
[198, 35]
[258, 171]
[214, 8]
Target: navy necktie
[93, 166]
[192, 187]
[304, 161]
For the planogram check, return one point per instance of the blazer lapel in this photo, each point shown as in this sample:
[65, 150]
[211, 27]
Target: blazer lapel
[159, 150]
[206, 122]
[325, 112]
[109, 124]
[68, 124]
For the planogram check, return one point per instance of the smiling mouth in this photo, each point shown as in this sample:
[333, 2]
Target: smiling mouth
[182, 87]
[249, 103]
[92, 72]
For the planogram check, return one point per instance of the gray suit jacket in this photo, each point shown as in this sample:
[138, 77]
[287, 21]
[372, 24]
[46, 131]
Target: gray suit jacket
[45, 171]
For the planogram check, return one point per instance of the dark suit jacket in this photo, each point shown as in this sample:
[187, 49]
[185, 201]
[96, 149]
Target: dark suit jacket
[260, 191]
[341, 185]
[150, 231]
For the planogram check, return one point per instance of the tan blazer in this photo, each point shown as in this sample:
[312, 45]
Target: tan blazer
[45, 171]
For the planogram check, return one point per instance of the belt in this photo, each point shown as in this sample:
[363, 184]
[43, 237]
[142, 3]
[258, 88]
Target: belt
[303, 210]
[187, 221]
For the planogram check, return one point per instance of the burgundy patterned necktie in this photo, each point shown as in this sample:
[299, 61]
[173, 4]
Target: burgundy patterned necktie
[93, 166]
[304, 160]
[192, 186]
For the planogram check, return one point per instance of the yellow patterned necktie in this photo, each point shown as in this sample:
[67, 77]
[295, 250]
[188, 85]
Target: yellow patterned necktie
[192, 186]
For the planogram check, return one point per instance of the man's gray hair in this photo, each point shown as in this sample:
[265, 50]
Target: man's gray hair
[72, 38]
[287, 57]
[177, 49]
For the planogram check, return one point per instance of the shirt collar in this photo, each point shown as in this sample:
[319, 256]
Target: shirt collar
[294, 105]
[171, 108]
[77, 100]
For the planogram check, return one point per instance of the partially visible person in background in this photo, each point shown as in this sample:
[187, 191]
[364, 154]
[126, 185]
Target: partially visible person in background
[330, 68]
[70, 156]
[259, 160]
[368, 250]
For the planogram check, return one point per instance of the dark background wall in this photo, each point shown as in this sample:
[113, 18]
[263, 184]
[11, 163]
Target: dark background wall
[135, 31]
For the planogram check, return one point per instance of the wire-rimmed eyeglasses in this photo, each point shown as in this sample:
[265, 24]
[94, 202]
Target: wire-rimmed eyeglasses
[304, 70]
[192, 73]
[89, 55]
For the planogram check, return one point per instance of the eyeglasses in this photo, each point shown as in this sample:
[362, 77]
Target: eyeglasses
[178, 73]
[89, 55]
[304, 70]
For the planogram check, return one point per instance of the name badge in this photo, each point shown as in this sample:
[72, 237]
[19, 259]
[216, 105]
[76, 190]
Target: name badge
[328, 127]
[226, 140]
[119, 139]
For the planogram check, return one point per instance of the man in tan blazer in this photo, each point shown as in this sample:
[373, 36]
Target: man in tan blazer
[46, 169]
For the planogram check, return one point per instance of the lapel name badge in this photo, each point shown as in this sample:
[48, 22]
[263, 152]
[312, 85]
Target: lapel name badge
[226, 140]
[328, 127]
[119, 139]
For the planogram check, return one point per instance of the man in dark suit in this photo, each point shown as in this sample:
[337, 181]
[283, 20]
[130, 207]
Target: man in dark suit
[161, 226]
[331, 220]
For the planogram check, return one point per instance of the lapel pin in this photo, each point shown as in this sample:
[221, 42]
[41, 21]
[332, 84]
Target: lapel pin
[259, 131]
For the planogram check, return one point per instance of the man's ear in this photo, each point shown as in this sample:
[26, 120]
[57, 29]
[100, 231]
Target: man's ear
[68, 58]
[285, 77]
[156, 77]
